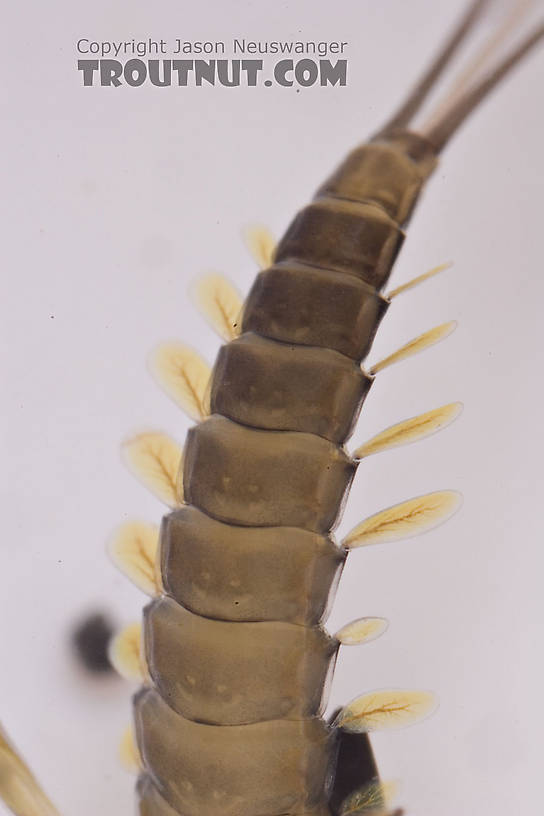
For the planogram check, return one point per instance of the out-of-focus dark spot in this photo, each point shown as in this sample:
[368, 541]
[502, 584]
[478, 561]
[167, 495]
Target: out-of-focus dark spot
[90, 641]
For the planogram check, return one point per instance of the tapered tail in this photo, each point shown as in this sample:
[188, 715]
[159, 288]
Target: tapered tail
[475, 82]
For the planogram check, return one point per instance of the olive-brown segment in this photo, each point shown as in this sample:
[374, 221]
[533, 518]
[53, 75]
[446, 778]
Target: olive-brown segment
[265, 478]
[232, 673]
[272, 768]
[380, 173]
[282, 387]
[151, 803]
[356, 238]
[293, 303]
[247, 573]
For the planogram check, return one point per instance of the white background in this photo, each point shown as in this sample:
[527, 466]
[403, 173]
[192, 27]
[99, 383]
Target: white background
[113, 201]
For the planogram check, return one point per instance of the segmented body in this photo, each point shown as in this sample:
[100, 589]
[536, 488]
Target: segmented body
[239, 661]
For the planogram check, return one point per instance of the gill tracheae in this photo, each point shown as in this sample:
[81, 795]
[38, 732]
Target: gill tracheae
[242, 571]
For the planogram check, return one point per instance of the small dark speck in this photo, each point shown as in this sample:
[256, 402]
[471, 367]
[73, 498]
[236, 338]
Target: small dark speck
[298, 90]
[59, 561]
[51, 317]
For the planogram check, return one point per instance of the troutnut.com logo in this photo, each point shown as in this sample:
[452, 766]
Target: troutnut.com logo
[110, 63]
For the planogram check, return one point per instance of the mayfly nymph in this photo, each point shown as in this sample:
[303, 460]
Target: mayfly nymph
[233, 656]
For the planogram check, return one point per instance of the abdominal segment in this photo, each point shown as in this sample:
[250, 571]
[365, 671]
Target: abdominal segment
[275, 766]
[229, 673]
[234, 573]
